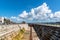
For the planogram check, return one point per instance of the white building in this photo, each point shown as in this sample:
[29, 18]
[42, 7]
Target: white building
[1, 20]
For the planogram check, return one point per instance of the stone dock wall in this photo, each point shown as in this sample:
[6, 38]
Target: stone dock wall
[7, 32]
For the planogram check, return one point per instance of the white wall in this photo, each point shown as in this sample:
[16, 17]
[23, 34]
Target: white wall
[12, 26]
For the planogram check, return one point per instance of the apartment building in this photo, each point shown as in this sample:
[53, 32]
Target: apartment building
[1, 20]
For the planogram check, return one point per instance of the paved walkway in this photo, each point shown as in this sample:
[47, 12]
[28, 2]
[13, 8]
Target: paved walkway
[27, 35]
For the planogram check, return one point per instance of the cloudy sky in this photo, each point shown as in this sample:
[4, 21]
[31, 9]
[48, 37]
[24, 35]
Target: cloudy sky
[30, 10]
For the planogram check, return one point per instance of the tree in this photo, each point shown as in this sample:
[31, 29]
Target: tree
[6, 21]
[23, 22]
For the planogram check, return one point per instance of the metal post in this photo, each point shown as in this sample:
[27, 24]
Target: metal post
[30, 32]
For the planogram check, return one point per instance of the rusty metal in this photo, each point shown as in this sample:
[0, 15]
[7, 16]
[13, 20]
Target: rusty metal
[31, 32]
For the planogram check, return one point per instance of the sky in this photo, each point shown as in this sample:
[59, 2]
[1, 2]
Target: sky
[30, 10]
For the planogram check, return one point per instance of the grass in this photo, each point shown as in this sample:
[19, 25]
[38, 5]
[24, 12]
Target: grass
[20, 35]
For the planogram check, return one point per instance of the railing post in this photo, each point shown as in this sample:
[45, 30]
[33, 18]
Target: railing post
[31, 32]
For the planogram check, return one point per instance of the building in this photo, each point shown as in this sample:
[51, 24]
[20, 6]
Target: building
[1, 20]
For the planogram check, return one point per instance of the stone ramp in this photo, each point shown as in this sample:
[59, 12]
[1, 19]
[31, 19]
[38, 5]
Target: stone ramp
[27, 35]
[35, 37]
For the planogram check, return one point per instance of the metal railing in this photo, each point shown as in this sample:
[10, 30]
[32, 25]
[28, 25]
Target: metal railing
[46, 32]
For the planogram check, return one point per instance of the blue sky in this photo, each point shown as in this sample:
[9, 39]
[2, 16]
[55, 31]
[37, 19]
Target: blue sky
[10, 8]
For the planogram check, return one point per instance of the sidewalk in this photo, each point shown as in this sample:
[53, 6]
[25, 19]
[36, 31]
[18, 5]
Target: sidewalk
[27, 35]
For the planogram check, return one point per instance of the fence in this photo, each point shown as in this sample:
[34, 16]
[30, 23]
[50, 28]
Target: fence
[46, 32]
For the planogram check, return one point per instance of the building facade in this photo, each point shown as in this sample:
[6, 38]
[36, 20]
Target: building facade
[1, 20]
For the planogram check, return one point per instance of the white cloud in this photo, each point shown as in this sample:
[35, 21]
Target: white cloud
[37, 13]
[16, 19]
[24, 14]
[43, 9]
[57, 14]
[13, 17]
[40, 13]
[51, 15]
[32, 13]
